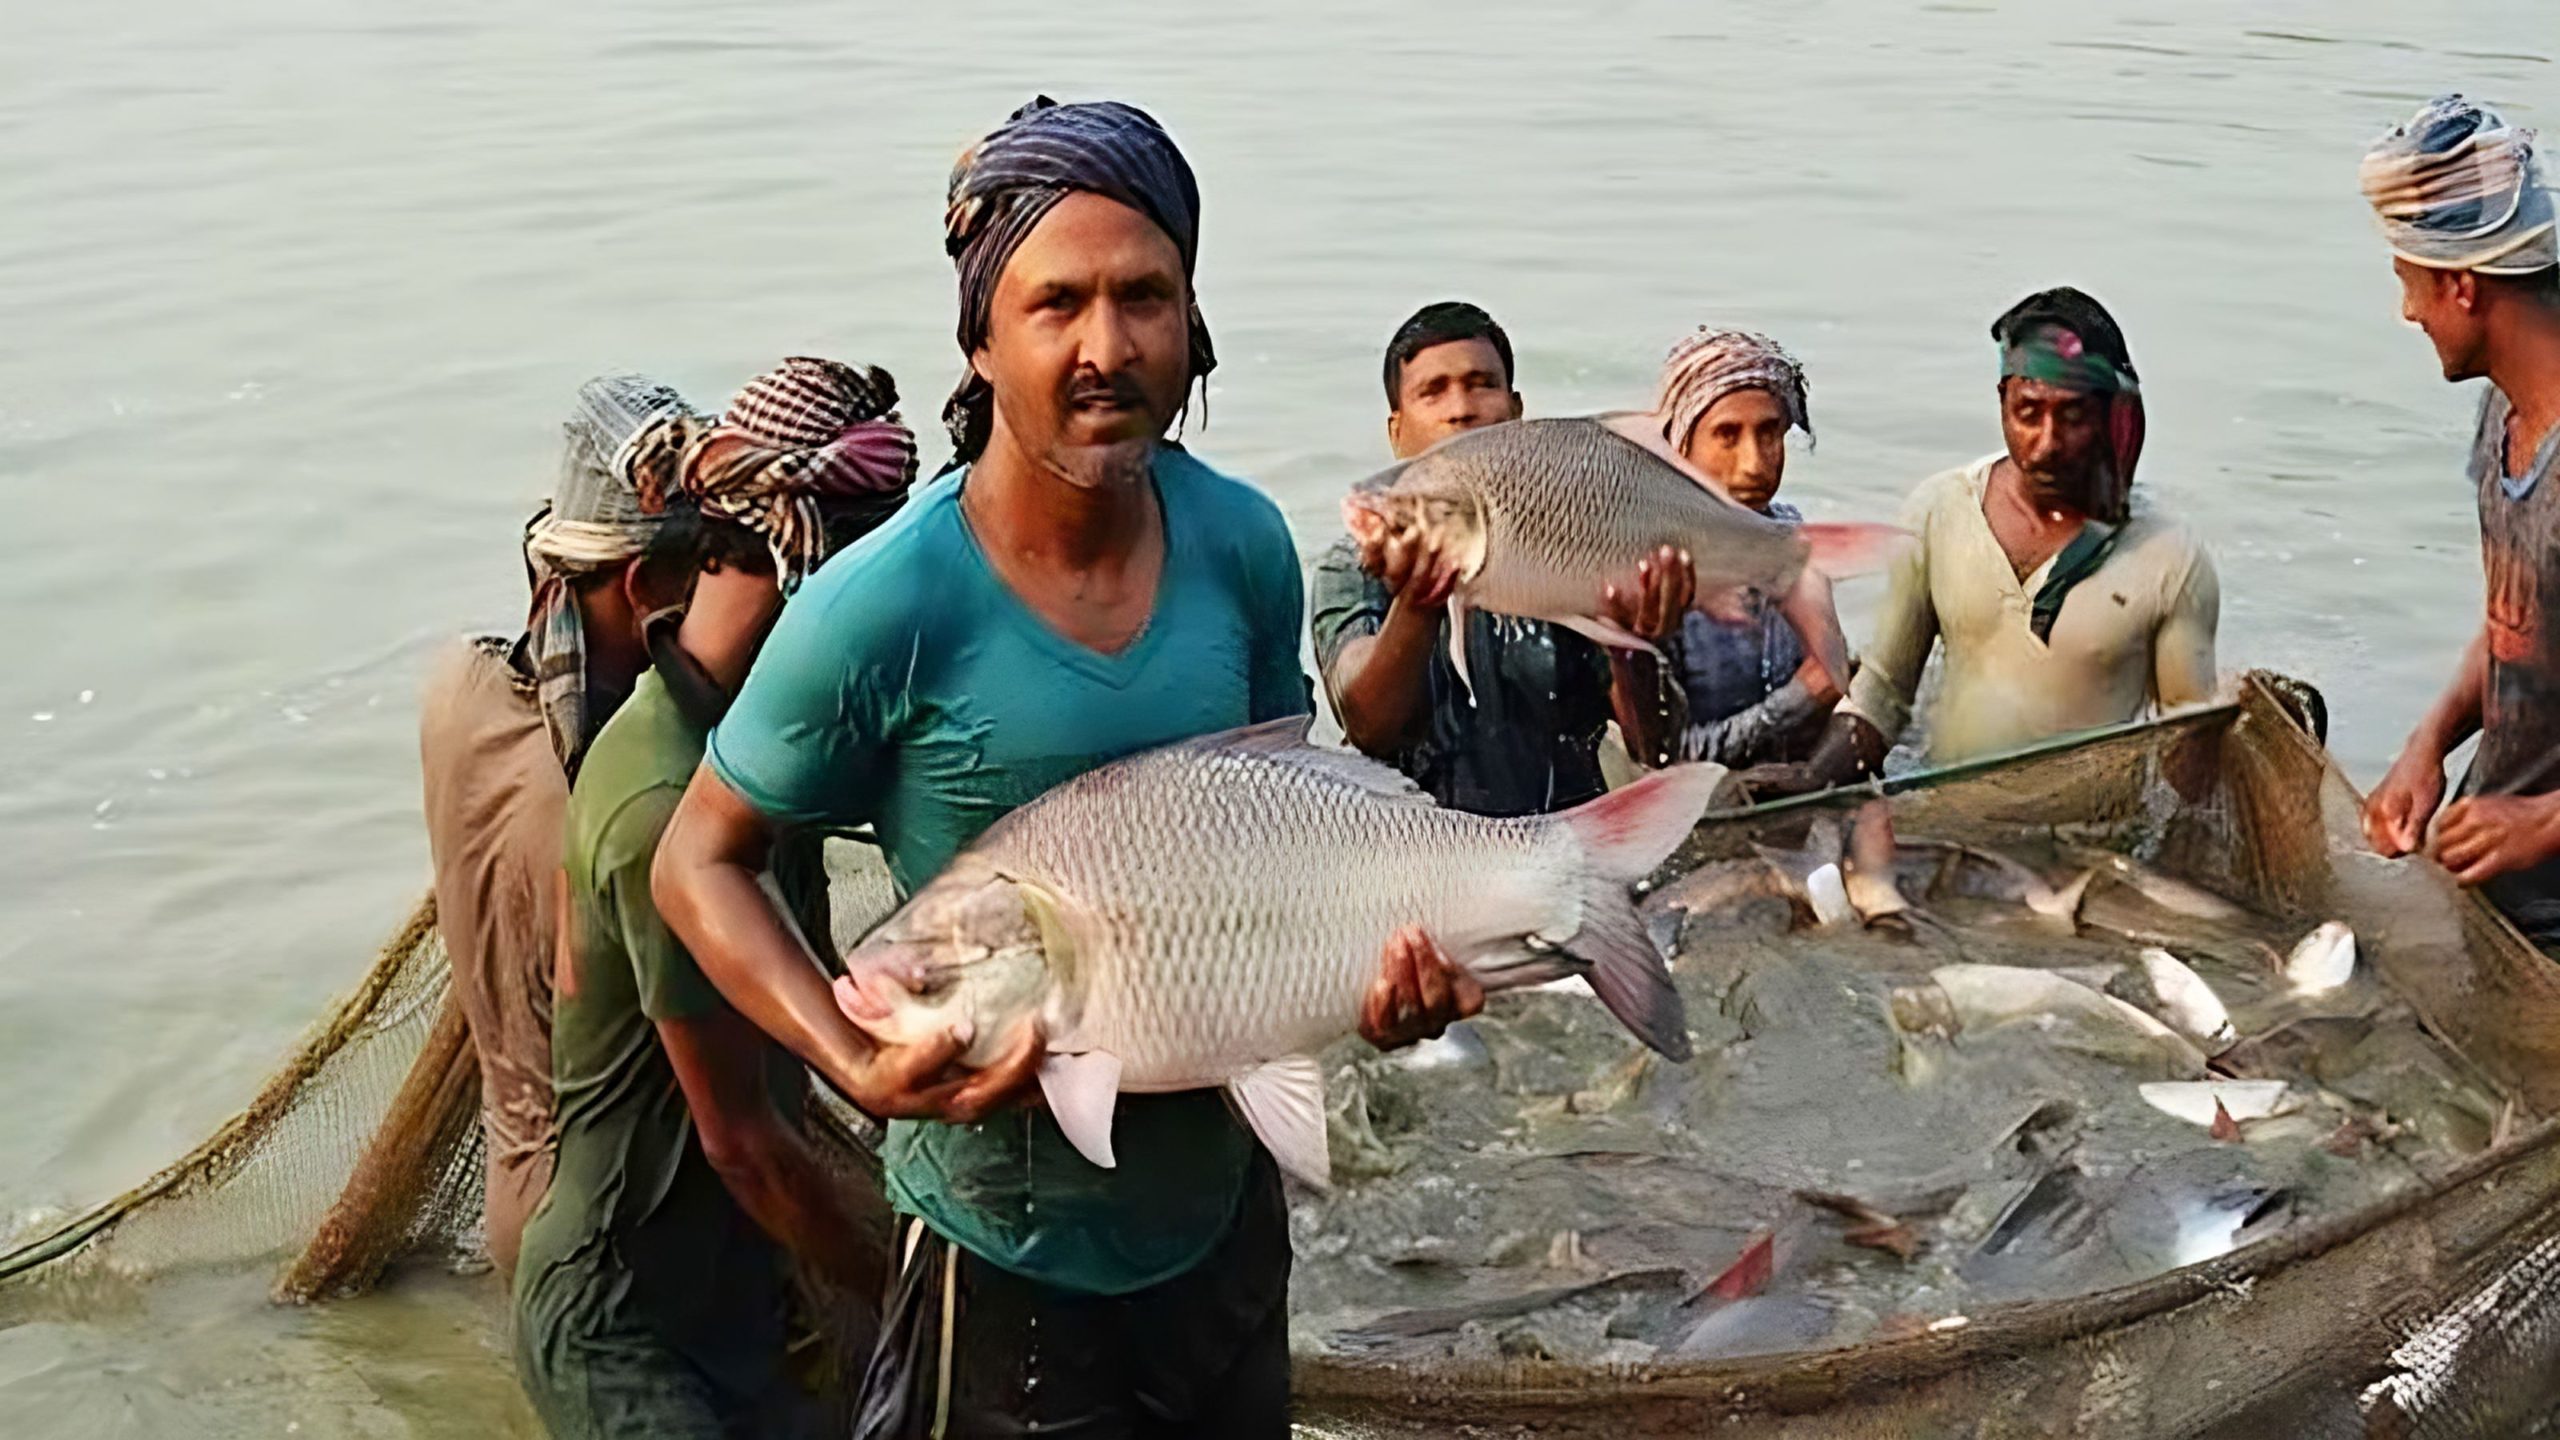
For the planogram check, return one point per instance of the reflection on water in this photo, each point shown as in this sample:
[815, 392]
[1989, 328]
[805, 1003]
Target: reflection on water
[296, 295]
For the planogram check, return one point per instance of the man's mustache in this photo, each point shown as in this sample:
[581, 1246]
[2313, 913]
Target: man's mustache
[1092, 387]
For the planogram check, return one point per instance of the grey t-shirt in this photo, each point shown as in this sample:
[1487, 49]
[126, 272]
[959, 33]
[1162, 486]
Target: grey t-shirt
[2520, 715]
[1528, 741]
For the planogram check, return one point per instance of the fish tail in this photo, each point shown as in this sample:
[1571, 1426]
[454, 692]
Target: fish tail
[1843, 549]
[1626, 970]
[1625, 835]
[1628, 833]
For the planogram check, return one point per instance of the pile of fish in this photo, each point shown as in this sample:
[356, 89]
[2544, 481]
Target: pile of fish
[1929, 1078]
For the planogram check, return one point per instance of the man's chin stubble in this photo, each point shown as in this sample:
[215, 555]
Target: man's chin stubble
[1120, 464]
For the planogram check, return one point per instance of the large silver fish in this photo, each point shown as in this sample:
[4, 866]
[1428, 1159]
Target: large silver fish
[1213, 914]
[1539, 516]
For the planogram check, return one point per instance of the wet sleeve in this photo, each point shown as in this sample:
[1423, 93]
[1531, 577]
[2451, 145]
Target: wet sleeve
[804, 740]
[1347, 602]
[2182, 653]
[1888, 676]
[1279, 600]
[670, 985]
[1751, 735]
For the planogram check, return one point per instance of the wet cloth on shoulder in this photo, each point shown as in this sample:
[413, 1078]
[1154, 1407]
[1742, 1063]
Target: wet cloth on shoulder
[1525, 741]
[494, 794]
[2520, 715]
[908, 688]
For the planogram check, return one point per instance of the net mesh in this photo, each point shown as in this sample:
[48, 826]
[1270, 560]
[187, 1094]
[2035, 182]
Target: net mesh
[2434, 1314]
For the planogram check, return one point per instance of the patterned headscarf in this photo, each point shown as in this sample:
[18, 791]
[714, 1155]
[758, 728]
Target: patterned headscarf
[1003, 186]
[2456, 188]
[1713, 363]
[595, 519]
[806, 436]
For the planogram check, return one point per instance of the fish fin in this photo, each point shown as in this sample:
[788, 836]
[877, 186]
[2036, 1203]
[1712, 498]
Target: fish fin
[1626, 970]
[1285, 742]
[1808, 609]
[1082, 1091]
[1282, 1103]
[2064, 904]
[1630, 831]
[1601, 632]
[1842, 549]
[1457, 622]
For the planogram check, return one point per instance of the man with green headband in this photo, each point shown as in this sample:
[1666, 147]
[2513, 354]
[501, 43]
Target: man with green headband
[2061, 606]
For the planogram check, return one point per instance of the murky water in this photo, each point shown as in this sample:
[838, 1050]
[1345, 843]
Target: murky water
[294, 295]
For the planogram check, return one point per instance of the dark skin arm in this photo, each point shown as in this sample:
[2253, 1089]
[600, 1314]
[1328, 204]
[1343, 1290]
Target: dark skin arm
[1379, 682]
[1650, 714]
[2397, 812]
[766, 1165]
[1851, 749]
[704, 882]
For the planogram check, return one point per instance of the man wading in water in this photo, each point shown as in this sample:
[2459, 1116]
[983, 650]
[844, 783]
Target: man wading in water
[1078, 591]
[651, 1296]
[2062, 606]
[1527, 739]
[2471, 228]
[502, 728]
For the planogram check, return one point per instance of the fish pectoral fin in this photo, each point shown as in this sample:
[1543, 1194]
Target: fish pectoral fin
[1601, 632]
[1457, 622]
[1282, 1103]
[1082, 1091]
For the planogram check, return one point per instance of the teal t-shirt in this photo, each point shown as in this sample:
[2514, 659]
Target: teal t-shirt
[907, 688]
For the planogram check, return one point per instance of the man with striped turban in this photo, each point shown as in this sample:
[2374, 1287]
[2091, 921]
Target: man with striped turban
[2470, 221]
[502, 726]
[1728, 399]
[650, 1295]
[1074, 590]
[2060, 604]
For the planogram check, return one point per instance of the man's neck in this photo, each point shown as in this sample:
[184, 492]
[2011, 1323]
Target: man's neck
[2525, 366]
[2009, 489]
[1025, 510]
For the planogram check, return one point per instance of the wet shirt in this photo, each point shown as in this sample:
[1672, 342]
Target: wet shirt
[1527, 742]
[494, 794]
[1738, 677]
[638, 1239]
[2137, 633]
[2520, 714]
[906, 687]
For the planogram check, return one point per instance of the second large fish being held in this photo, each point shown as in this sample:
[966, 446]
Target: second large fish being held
[1213, 913]
[1538, 517]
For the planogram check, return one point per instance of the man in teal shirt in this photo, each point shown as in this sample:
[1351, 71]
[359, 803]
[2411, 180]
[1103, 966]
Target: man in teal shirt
[1079, 591]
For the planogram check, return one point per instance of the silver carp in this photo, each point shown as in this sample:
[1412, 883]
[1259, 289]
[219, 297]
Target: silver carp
[1539, 516]
[1213, 913]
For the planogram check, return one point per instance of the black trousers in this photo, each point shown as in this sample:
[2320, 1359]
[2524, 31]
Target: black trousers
[1204, 1353]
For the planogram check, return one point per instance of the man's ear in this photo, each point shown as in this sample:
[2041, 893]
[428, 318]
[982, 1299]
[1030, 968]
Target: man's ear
[2465, 288]
[1395, 431]
[1516, 408]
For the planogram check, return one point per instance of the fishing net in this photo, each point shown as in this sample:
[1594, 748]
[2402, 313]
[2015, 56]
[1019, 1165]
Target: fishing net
[362, 1148]
[2433, 1313]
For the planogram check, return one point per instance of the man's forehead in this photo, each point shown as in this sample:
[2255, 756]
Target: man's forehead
[2044, 392]
[1087, 237]
[1455, 357]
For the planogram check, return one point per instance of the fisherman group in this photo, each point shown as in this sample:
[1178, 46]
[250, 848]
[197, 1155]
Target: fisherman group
[756, 629]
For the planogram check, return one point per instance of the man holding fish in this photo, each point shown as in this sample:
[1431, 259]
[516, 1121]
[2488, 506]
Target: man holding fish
[1077, 591]
[2061, 605]
[1495, 714]
[2470, 221]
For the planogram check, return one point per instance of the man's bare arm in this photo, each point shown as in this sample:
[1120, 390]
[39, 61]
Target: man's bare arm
[767, 1166]
[704, 883]
[2397, 812]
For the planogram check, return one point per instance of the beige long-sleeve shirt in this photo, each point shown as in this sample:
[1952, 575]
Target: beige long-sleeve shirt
[2136, 634]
